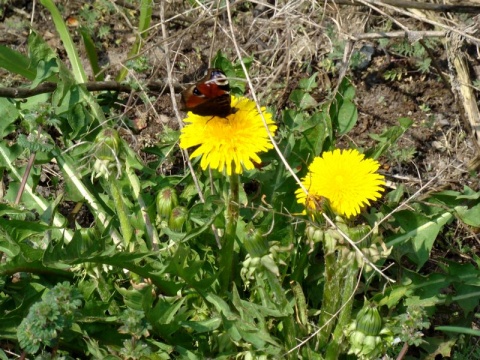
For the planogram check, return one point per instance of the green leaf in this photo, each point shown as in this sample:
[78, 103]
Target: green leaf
[388, 137]
[303, 100]
[15, 62]
[469, 194]
[458, 330]
[347, 117]
[92, 54]
[220, 305]
[19, 230]
[8, 113]
[204, 326]
[419, 234]
[470, 216]
[165, 311]
[309, 84]
[146, 7]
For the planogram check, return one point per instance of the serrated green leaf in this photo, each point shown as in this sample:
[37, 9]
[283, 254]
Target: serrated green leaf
[419, 234]
[19, 230]
[43, 57]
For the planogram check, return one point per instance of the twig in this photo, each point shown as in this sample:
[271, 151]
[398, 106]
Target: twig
[473, 9]
[25, 177]
[398, 34]
[384, 4]
[47, 87]
[402, 352]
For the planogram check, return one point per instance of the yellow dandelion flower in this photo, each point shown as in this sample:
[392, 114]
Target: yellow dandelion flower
[234, 140]
[345, 178]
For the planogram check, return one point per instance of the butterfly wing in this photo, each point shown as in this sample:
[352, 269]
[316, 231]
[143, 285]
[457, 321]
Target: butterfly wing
[210, 96]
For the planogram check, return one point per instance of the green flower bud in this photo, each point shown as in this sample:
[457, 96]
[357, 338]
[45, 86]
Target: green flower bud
[105, 151]
[178, 218]
[166, 200]
[107, 145]
[369, 321]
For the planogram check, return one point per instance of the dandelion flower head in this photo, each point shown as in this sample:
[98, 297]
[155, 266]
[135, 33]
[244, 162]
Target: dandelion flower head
[345, 178]
[232, 142]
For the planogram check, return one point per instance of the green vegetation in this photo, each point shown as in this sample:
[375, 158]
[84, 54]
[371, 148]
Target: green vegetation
[145, 278]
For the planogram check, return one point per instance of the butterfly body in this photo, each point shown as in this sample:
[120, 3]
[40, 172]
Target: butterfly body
[210, 96]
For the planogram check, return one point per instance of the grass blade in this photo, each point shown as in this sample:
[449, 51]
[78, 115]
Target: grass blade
[77, 68]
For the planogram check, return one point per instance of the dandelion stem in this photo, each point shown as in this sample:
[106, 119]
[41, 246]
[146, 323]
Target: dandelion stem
[226, 254]
[348, 289]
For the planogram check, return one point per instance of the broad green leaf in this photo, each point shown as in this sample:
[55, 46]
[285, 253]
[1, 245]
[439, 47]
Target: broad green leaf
[220, 305]
[467, 297]
[469, 194]
[393, 297]
[8, 247]
[165, 311]
[231, 328]
[293, 118]
[45, 71]
[347, 117]
[6, 209]
[29, 260]
[426, 291]
[249, 309]
[466, 282]
[234, 71]
[133, 298]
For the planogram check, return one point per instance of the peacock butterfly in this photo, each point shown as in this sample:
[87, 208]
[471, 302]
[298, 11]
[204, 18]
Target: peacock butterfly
[210, 96]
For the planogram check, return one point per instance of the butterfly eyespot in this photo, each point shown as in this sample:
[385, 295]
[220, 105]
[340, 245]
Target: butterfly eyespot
[210, 96]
